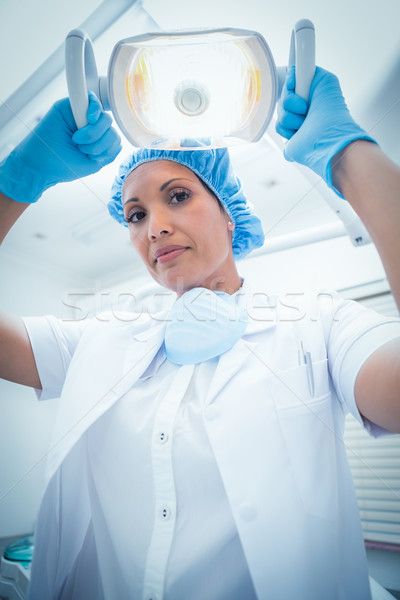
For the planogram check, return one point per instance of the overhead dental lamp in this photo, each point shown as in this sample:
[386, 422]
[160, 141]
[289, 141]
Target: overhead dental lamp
[188, 89]
[197, 89]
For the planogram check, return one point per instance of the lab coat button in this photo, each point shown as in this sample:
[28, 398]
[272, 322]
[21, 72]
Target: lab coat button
[211, 412]
[247, 511]
[162, 437]
[165, 513]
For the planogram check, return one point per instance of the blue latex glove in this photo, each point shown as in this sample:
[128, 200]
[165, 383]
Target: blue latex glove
[56, 151]
[316, 135]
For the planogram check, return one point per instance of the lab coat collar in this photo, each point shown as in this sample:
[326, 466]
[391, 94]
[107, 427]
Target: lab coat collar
[229, 363]
[262, 316]
[260, 307]
[152, 337]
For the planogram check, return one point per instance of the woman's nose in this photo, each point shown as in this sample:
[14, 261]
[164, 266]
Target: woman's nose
[159, 224]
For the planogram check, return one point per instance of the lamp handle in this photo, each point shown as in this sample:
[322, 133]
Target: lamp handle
[302, 55]
[81, 71]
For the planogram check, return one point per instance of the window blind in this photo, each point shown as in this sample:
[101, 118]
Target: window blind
[375, 462]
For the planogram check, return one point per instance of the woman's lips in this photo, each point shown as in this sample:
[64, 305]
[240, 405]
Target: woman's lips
[167, 253]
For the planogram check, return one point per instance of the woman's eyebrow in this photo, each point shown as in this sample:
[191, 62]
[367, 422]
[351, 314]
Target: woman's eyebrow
[164, 185]
[130, 200]
[162, 188]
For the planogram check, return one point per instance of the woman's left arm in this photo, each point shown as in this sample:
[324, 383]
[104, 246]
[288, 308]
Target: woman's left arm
[370, 182]
[324, 137]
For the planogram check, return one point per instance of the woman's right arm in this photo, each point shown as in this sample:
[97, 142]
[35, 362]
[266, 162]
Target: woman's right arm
[10, 211]
[17, 362]
[52, 153]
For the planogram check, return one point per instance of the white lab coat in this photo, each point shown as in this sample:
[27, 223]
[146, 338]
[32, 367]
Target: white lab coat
[278, 448]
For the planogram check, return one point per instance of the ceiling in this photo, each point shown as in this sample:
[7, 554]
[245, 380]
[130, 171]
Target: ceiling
[69, 231]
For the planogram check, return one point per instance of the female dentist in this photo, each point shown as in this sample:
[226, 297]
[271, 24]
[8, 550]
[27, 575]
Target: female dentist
[200, 454]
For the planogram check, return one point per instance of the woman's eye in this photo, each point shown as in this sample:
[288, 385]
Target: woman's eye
[135, 217]
[179, 196]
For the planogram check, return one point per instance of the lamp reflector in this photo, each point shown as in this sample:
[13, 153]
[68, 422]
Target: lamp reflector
[193, 89]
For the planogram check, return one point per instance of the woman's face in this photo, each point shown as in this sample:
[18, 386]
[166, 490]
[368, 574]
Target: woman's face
[179, 229]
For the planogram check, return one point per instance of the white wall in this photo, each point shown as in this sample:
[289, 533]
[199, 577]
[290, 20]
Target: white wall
[333, 264]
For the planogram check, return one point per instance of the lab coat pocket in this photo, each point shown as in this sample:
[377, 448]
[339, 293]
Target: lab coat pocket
[305, 417]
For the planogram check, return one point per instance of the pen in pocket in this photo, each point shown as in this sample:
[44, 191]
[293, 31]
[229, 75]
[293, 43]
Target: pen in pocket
[305, 359]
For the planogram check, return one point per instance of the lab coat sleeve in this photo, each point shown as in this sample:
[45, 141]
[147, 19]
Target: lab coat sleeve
[355, 332]
[53, 343]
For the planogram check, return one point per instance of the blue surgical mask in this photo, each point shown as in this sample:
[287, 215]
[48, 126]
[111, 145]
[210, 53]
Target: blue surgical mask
[203, 324]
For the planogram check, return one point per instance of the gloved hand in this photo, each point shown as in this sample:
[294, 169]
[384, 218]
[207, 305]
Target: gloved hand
[316, 135]
[56, 151]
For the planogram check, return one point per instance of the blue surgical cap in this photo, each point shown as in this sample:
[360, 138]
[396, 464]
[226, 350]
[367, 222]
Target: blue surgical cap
[215, 169]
